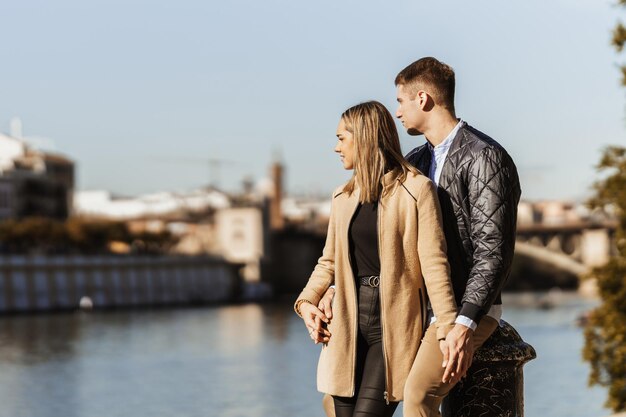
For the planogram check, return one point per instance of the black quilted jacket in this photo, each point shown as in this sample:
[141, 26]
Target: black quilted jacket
[479, 191]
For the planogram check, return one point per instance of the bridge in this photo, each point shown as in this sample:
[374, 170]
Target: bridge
[574, 247]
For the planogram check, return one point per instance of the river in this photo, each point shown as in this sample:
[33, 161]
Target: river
[229, 361]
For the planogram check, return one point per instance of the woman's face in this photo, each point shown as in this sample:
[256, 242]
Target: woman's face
[345, 145]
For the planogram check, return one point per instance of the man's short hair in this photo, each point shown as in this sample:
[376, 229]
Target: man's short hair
[432, 76]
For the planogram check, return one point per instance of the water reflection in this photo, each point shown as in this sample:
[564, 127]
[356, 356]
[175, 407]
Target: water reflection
[32, 339]
[33, 354]
[239, 328]
[244, 360]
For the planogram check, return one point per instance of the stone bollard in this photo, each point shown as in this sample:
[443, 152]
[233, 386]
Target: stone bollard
[494, 385]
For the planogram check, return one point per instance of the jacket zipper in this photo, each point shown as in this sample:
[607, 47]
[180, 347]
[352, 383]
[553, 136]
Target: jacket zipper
[356, 305]
[382, 309]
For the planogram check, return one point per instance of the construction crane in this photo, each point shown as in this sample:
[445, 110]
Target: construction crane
[214, 165]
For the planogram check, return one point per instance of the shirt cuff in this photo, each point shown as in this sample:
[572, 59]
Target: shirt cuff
[466, 321]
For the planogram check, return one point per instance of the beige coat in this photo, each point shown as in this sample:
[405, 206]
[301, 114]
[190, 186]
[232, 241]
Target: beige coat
[413, 263]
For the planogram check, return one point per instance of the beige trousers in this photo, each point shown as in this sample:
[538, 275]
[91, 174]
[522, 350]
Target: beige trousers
[424, 390]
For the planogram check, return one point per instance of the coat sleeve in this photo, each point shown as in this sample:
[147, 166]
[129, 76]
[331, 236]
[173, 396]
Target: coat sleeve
[323, 275]
[493, 193]
[431, 249]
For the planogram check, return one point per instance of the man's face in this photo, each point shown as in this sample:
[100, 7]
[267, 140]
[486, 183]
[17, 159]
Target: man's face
[345, 145]
[410, 110]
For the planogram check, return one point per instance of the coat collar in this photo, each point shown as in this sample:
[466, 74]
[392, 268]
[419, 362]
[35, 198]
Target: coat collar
[389, 180]
[422, 159]
[459, 140]
[447, 172]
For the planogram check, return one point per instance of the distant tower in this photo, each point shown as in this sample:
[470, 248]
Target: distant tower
[248, 185]
[16, 127]
[277, 222]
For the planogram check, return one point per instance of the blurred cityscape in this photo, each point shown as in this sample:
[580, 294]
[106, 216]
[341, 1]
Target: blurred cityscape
[63, 248]
[131, 283]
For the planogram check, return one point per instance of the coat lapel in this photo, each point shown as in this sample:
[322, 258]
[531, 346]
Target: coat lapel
[447, 172]
[351, 203]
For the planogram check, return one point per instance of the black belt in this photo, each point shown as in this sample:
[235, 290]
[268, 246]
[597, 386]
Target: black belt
[371, 281]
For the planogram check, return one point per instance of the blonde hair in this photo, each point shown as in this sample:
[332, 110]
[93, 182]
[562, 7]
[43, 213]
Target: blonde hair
[376, 149]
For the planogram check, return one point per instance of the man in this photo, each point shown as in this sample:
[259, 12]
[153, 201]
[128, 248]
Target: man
[478, 190]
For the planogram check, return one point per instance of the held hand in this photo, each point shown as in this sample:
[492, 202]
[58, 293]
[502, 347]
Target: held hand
[313, 319]
[460, 343]
[325, 304]
[445, 351]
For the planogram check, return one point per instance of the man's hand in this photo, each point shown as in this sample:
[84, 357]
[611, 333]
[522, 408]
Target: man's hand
[325, 304]
[313, 319]
[460, 345]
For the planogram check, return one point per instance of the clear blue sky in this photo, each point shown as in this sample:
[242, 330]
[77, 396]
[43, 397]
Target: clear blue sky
[127, 88]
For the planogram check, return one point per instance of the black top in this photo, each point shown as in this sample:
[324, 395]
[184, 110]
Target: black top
[363, 239]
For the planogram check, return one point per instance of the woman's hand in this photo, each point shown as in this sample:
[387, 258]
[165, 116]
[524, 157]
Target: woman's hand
[326, 303]
[313, 319]
[445, 351]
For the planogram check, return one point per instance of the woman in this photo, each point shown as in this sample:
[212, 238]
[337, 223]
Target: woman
[385, 254]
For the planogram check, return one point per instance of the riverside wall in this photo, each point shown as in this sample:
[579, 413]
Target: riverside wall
[48, 283]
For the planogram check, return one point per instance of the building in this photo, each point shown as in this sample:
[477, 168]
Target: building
[551, 213]
[188, 215]
[242, 233]
[33, 182]
[173, 205]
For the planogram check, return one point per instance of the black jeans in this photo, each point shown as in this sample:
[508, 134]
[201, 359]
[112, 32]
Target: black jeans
[370, 367]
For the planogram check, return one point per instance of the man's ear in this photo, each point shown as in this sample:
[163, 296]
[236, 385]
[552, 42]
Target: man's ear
[422, 99]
